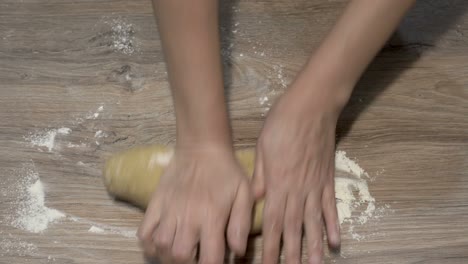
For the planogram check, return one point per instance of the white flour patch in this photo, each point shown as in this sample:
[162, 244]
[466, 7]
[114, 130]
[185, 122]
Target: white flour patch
[47, 138]
[342, 162]
[81, 145]
[263, 100]
[97, 230]
[347, 201]
[100, 134]
[280, 77]
[31, 214]
[105, 229]
[64, 130]
[94, 115]
[352, 195]
[123, 32]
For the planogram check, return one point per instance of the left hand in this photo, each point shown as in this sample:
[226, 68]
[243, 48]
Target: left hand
[294, 171]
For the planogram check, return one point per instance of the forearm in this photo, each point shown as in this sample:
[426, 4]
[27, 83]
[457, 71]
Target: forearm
[190, 39]
[347, 50]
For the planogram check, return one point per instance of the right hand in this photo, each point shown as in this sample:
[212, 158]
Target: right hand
[202, 190]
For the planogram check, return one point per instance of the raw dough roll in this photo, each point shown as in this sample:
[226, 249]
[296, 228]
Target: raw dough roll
[133, 175]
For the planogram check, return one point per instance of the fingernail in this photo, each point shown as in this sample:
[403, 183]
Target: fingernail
[334, 239]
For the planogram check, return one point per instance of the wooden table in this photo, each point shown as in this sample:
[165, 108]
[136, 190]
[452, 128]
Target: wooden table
[61, 60]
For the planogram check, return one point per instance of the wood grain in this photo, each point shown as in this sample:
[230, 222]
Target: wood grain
[406, 124]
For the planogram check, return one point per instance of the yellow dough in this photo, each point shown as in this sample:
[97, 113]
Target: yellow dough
[133, 175]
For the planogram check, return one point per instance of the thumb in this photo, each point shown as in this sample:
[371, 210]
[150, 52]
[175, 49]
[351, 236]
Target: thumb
[258, 179]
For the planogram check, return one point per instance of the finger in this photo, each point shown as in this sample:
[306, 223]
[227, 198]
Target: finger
[292, 235]
[272, 227]
[313, 228]
[240, 220]
[147, 227]
[163, 237]
[185, 241]
[212, 243]
[330, 215]
[258, 179]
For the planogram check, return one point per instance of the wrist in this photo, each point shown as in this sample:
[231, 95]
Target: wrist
[315, 92]
[203, 120]
[197, 147]
[202, 133]
[204, 140]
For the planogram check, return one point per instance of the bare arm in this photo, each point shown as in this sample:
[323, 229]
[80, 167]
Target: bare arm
[189, 34]
[300, 132]
[350, 46]
[203, 194]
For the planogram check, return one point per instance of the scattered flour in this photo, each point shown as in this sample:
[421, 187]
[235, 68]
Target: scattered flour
[342, 162]
[31, 213]
[280, 76]
[263, 100]
[47, 138]
[105, 229]
[347, 202]
[81, 145]
[95, 114]
[345, 189]
[15, 246]
[352, 194]
[268, 86]
[64, 130]
[97, 230]
[100, 134]
[122, 36]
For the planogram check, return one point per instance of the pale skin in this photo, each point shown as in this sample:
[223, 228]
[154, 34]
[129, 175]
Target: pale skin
[204, 198]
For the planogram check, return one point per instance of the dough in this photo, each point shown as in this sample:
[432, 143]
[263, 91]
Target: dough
[133, 175]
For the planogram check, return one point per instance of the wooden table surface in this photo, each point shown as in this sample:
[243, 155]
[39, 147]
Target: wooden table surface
[60, 61]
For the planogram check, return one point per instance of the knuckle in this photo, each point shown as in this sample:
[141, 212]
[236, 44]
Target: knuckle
[313, 215]
[149, 251]
[293, 228]
[274, 224]
[144, 236]
[272, 213]
[181, 254]
[315, 245]
[163, 241]
[274, 227]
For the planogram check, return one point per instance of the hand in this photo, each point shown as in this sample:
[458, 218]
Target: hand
[201, 191]
[294, 171]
